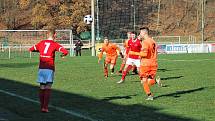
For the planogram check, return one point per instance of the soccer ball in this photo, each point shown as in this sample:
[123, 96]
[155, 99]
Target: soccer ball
[88, 19]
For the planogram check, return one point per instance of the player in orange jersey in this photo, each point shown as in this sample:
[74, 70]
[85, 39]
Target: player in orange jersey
[148, 64]
[111, 55]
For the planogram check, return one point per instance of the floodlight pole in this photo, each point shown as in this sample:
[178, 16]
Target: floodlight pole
[158, 19]
[134, 15]
[97, 21]
[93, 26]
[203, 23]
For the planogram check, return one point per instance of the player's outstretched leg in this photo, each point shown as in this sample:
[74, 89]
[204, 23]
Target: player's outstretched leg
[146, 84]
[124, 73]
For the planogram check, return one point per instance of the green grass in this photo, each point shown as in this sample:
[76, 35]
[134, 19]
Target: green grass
[80, 86]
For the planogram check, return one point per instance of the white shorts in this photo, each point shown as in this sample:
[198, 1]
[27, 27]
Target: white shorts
[131, 61]
[45, 76]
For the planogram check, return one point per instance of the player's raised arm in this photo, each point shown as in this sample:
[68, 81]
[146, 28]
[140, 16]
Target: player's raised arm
[120, 53]
[100, 55]
[34, 48]
[62, 50]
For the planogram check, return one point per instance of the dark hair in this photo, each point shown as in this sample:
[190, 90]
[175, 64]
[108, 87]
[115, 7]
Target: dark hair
[145, 28]
[133, 32]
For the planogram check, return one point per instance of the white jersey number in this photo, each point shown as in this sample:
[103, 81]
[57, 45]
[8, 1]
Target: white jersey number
[47, 47]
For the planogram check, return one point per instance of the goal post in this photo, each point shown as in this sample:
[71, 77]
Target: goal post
[15, 43]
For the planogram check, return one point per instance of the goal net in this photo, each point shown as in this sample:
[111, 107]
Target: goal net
[116, 17]
[15, 43]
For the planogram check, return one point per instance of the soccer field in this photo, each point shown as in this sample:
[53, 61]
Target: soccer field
[80, 92]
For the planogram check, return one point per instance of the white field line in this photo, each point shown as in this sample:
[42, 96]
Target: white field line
[2, 119]
[52, 106]
[188, 60]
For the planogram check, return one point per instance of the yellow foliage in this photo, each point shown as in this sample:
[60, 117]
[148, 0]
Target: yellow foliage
[24, 4]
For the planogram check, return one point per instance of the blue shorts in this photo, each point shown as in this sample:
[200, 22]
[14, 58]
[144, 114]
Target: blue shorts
[45, 76]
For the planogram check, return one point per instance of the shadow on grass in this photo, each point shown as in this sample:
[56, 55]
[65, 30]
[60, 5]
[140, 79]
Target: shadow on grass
[174, 77]
[18, 65]
[118, 97]
[179, 93]
[95, 108]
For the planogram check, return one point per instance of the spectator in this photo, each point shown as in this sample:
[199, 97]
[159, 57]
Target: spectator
[78, 45]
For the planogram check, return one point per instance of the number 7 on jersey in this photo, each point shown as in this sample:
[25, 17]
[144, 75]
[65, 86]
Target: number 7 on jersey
[47, 45]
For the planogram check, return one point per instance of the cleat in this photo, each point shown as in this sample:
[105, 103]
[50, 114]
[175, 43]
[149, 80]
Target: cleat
[111, 73]
[158, 80]
[44, 110]
[106, 76]
[150, 98]
[134, 72]
[119, 71]
[121, 81]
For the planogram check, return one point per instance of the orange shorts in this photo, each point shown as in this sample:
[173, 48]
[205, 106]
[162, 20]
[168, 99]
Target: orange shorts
[148, 71]
[111, 60]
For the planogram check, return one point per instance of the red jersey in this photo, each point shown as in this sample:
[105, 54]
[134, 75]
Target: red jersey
[135, 46]
[47, 49]
[126, 47]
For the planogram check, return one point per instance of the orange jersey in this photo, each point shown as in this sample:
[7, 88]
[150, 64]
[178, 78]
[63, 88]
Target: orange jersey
[126, 43]
[149, 53]
[110, 50]
[126, 47]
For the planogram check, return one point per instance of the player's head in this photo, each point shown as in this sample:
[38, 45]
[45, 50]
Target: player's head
[133, 35]
[106, 40]
[129, 35]
[144, 31]
[52, 32]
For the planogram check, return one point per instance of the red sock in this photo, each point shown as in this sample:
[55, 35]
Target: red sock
[41, 96]
[122, 66]
[129, 68]
[124, 73]
[46, 98]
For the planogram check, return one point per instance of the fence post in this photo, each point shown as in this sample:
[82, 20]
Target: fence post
[30, 54]
[9, 51]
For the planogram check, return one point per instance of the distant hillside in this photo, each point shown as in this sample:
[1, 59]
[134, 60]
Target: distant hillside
[116, 17]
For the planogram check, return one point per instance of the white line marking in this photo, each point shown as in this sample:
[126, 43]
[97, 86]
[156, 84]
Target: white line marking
[52, 106]
[188, 60]
[2, 119]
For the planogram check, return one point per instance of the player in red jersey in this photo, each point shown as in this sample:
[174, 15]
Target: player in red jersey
[47, 49]
[125, 53]
[134, 45]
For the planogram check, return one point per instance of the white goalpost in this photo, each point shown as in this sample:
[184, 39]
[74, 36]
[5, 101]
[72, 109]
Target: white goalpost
[15, 43]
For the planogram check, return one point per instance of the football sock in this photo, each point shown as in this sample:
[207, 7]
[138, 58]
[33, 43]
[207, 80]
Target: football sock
[112, 70]
[129, 68]
[146, 88]
[105, 71]
[122, 66]
[41, 96]
[46, 98]
[124, 73]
